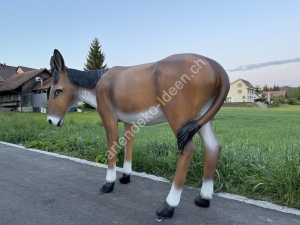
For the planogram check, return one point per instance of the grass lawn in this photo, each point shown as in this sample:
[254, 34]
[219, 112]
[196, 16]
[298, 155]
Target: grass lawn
[260, 157]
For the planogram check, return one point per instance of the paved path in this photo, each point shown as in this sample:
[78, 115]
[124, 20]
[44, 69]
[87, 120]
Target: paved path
[41, 189]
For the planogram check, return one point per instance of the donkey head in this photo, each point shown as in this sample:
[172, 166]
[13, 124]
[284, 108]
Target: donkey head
[63, 92]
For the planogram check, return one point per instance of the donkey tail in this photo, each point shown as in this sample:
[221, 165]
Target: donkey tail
[192, 126]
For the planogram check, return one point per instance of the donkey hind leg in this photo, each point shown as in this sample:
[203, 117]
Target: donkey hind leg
[166, 210]
[127, 166]
[212, 150]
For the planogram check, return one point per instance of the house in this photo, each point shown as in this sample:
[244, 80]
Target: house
[40, 95]
[16, 90]
[241, 91]
[271, 94]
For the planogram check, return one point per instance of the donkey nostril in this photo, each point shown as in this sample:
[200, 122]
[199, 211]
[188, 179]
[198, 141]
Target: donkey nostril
[50, 121]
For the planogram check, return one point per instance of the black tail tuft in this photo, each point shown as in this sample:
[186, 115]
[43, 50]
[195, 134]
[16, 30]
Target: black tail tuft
[186, 133]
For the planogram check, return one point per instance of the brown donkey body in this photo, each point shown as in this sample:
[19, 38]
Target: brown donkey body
[185, 90]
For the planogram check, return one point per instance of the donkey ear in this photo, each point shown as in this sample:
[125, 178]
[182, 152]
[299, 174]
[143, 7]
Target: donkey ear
[52, 65]
[59, 62]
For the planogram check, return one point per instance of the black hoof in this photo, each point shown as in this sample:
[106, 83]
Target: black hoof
[125, 179]
[107, 188]
[202, 202]
[165, 211]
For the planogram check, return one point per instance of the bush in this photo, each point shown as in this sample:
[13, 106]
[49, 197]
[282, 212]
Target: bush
[276, 102]
[292, 101]
[282, 99]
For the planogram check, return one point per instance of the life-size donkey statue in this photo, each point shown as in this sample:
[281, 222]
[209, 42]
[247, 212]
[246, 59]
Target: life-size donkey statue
[185, 90]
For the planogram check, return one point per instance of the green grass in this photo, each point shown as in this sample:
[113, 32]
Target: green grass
[260, 157]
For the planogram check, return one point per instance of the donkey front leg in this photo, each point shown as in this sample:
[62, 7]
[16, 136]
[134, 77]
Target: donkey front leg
[212, 150]
[112, 144]
[127, 166]
[166, 210]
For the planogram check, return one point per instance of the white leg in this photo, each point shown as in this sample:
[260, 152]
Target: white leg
[209, 138]
[207, 189]
[111, 175]
[174, 196]
[127, 167]
[212, 149]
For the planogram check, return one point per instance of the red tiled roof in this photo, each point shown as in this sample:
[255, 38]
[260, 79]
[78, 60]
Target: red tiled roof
[46, 84]
[274, 93]
[17, 80]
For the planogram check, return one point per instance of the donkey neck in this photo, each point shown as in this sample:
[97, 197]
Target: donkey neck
[86, 82]
[85, 79]
[87, 96]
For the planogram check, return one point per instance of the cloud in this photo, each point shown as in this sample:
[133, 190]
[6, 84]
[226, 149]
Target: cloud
[279, 74]
[260, 65]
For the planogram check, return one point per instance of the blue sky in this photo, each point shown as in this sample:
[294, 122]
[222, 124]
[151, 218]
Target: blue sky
[134, 32]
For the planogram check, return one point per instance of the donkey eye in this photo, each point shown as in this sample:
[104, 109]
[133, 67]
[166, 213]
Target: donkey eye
[57, 92]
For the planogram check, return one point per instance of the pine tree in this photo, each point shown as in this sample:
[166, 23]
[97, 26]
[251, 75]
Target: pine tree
[266, 88]
[95, 58]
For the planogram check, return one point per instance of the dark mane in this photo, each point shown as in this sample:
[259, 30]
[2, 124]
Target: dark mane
[86, 79]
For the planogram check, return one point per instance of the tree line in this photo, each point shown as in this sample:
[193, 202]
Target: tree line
[292, 92]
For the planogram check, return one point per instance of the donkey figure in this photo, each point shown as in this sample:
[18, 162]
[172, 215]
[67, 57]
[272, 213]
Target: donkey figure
[185, 90]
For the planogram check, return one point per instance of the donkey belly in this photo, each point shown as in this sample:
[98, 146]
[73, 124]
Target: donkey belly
[153, 115]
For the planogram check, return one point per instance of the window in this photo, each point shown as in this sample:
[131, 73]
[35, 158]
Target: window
[239, 91]
[239, 85]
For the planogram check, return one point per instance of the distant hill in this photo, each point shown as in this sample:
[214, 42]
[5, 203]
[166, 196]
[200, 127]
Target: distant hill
[259, 65]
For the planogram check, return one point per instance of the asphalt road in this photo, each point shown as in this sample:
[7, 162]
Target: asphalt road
[41, 189]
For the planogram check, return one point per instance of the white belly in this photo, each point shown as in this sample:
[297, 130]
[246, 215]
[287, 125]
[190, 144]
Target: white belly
[152, 116]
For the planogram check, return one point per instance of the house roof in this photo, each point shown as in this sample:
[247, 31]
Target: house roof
[1, 79]
[25, 69]
[46, 84]
[274, 93]
[248, 84]
[17, 80]
[6, 71]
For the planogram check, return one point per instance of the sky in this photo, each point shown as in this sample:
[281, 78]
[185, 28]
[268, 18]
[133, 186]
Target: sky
[132, 32]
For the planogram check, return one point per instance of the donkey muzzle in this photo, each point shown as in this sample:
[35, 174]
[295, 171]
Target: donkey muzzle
[55, 121]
